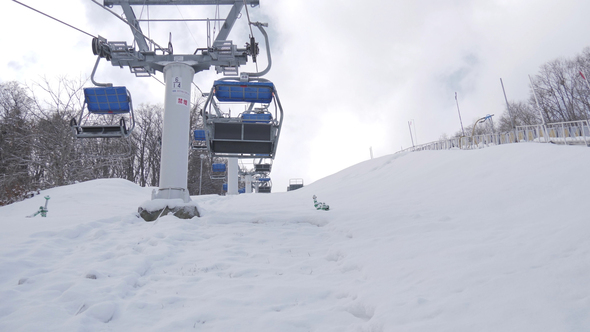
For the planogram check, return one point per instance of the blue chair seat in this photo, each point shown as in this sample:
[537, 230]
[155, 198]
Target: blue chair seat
[107, 100]
[257, 117]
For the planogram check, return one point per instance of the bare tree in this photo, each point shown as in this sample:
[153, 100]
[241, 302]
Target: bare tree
[15, 142]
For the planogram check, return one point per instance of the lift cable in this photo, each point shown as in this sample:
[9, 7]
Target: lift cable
[91, 35]
[248, 15]
[196, 86]
[187, 27]
[158, 80]
[62, 22]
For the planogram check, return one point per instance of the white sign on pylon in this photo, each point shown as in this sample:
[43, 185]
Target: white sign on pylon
[177, 83]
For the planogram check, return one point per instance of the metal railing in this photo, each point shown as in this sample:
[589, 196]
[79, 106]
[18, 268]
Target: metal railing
[570, 133]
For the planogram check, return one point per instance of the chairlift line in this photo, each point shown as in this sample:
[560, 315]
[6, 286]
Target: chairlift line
[253, 133]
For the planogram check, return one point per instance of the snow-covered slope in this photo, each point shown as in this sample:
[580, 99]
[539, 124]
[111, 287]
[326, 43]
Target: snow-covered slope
[495, 239]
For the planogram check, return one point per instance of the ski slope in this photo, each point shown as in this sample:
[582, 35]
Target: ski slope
[496, 239]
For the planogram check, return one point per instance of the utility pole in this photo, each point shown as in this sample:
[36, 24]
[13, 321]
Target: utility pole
[588, 85]
[415, 131]
[457, 101]
[507, 105]
[410, 126]
[537, 100]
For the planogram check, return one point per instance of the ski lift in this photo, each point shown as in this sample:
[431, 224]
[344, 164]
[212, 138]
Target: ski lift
[218, 171]
[103, 103]
[199, 140]
[251, 133]
[240, 190]
[262, 166]
[264, 185]
[295, 184]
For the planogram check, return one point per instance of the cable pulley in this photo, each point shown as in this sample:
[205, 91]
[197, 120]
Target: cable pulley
[253, 48]
[101, 48]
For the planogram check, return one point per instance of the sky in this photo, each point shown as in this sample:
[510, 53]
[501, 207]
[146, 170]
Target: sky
[350, 75]
[414, 241]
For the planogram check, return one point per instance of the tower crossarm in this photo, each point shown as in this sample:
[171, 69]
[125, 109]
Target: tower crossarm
[230, 20]
[128, 57]
[145, 61]
[136, 30]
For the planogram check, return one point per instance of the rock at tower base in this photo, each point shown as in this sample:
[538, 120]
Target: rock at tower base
[152, 210]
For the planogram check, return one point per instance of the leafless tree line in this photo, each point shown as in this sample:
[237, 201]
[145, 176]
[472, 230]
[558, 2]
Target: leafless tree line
[562, 92]
[38, 149]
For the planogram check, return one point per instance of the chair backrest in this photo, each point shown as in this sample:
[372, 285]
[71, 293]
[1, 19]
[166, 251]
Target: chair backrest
[107, 100]
[252, 92]
[218, 168]
[199, 135]
[262, 167]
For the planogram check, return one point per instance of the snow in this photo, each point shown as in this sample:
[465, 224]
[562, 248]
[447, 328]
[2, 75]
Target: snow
[493, 239]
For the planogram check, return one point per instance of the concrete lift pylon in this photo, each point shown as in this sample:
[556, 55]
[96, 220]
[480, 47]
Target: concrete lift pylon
[178, 70]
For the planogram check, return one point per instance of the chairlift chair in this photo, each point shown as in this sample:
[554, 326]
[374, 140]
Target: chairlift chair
[103, 104]
[295, 184]
[199, 140]
[264, 185]
[240, 190]
[218, 171]
[251, 133]
[263, 166]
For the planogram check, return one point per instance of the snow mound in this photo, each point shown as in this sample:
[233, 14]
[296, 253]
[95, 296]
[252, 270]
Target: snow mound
[483, 240]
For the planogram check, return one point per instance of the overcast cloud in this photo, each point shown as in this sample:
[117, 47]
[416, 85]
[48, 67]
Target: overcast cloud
[350, 74]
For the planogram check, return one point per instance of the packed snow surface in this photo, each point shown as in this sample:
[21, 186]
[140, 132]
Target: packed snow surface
[496, 239]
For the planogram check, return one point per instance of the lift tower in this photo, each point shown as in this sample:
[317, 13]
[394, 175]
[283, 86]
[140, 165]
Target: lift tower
[145, 57]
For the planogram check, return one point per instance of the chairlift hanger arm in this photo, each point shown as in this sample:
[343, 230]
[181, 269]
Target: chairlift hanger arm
[269, 62]
[92, 76]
